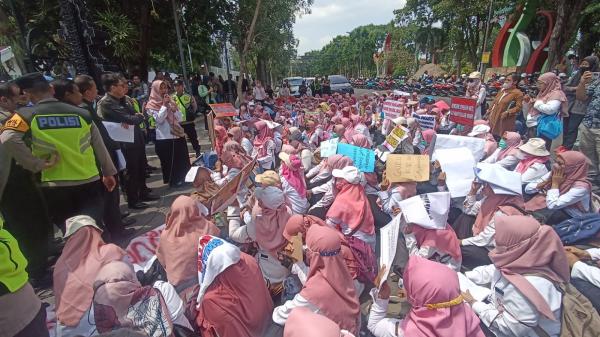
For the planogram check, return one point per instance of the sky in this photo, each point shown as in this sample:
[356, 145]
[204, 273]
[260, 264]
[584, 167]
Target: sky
[330, 18]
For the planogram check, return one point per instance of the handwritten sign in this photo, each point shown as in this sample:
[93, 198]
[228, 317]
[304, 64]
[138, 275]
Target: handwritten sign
[462, 110]
[225, 197]
[329, 147]
[393, 109]
[364, 159]
[395, 137]
[425, 121]
[143, 247]
[407, 167]
[223, 110]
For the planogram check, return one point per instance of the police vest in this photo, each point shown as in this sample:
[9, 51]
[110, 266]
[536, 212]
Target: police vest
[184, 102]
[69, 135]
[12, 262]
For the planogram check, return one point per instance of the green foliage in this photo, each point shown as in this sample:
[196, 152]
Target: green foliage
[121, 33]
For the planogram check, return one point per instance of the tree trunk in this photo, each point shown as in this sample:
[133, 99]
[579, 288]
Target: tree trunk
[69, 25]
[567, 16]
[244, 51]
[588, 40]
[144, 39]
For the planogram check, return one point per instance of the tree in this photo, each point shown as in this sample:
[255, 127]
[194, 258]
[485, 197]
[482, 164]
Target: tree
[568, 13]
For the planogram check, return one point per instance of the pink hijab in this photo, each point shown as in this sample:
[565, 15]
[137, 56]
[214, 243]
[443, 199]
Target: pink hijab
[176, 250]
[429, 282]
[553, 91]
[220, 138]
[304, 323]
[329, 285]
[513, 140]
[264, 135]
[491, 204]
[428, 136]
[294, 174]
[75, 271]
[522, 247]
[234, 159]
[236, 134]
[576, 171]
[270, 214]
[155, 101]
[349, 129]
[529, 160]
[444, 240]
[352, 207]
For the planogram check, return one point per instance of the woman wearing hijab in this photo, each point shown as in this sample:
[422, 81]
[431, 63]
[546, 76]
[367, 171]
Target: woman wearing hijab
[84, 254]
[233, 299]
[437, 306]
[482, 130]
[527, 260]
[550, 100]
[299, 224]
[176, 250]
[505, 154]
[264, 146]
[303, 322]
[565, 191]
[426, 230]
[328, 289]
[348, 129]
[350, 210]
[477, 91]
[577, 107]
[585, 272]
[268, 219]
[293, 183]
[426, 140]
[534, 160]
[392, 194]
[325, 193]
[170, 145]
[120, 301]
[220, 138]
[320, 173]
[499, 194]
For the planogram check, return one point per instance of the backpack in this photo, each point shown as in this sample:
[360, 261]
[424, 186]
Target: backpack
[578, 316]
[578, 228]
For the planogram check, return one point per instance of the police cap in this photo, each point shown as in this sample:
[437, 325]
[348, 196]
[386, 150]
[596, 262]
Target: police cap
[31, 80]
[178, 82]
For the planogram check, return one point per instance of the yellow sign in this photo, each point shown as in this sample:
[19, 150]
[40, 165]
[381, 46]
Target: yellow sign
[395, 137]
[407, 167]
[485, 57]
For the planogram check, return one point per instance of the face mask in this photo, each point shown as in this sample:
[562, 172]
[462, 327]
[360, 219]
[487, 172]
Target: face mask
[502, 144]
[520, 155]
[506, 85]
[584, 69]
[423, 143]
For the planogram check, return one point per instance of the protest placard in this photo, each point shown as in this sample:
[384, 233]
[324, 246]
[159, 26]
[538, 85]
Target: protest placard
[329, 147]
[425, 121]
[475, 145]
[118, 133]
[395, 137]
[462, 110]
[393, 109]
[223, 110]
[458, 164]
[247, 172]
[407, 167]
[389, 240]
[364, 159]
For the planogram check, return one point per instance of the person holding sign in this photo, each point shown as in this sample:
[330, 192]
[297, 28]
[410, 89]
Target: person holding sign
[437, 306]
[426, 231]
[264, 146]
[477, 91]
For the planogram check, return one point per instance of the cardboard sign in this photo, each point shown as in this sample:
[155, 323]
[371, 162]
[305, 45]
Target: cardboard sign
[407, 167]
[462, 110]
[425, 121]
[329, 147]
[364, 159]
[247, 172]
[393, 109]
[395, 137]
[297, 246]
[223, 110]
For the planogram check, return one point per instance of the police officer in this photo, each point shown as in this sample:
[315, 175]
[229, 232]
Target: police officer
[21, 200]
[64, 145]
[21, 311]
[188, 107]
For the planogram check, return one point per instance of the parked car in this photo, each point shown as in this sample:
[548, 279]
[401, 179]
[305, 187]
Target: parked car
[340, 84]
[295, 83]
